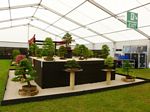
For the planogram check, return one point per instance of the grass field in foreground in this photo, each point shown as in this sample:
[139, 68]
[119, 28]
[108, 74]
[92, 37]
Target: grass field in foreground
[130, 99]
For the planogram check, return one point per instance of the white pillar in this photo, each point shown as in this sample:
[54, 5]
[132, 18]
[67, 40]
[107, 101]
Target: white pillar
[114, 48]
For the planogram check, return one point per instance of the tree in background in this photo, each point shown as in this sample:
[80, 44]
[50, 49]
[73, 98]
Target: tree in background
[109, 62]
[38, 52]
[32, 49]
[62, 51]
[82, 51]
[68, 39]
[15, 52]
[48, 49]
[76, 50]
[105, 51]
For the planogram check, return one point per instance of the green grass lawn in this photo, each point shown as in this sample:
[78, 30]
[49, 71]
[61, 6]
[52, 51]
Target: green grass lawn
[130, 99]
[144, 73]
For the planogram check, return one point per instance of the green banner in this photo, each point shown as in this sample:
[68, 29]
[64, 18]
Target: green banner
[132, 20]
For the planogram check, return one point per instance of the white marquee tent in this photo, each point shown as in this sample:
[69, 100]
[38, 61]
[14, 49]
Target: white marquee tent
[91, 22]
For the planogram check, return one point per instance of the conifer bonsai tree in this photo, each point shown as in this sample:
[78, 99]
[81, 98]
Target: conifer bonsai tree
[109, 62]
[76, 50]
[127, 69]
[38, 52]
[62, 52]
[48, 49]
[82, 51]
[25, 73]
[32, 49]
[68, 39]
[72, 64]
[105, 51]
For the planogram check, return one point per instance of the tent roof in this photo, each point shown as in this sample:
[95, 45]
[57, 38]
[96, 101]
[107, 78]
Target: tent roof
[89, 21]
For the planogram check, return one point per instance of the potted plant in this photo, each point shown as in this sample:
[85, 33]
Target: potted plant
[62, 52]
[38, 52]
[105, 51]
[82, 52]
[48, 49]
[76, 50]
[109, 62]
[127, 69]
[68, 39]
[88, 54]
[72, 65]
[32, 49]
[25, 73]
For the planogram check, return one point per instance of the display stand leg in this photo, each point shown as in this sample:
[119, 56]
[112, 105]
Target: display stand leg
[72, 80]
[108, 78]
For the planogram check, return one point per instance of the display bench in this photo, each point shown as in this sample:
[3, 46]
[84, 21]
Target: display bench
[52, 73]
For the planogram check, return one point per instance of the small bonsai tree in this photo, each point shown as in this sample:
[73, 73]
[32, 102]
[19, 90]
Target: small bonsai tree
[68, 39]
[109, 62]
[48, 49]
[88, 53]
[72, 64]
[15, 52]
[127, 69]
[38, 52]
[76, 50]
[32, 49]
[105, 51]
[62, 52]
[81, 51]
[25, 72]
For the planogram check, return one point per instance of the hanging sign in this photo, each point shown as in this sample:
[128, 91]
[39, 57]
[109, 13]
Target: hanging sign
[132, 20]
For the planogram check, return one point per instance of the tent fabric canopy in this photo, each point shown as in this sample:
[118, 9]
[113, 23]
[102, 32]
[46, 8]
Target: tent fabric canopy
[88, 21]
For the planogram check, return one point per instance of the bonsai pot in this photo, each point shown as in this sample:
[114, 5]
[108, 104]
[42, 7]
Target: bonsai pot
[128, 78]
[81, 58]
[28, 90]
[62, 57]
[48, 58]
[73, 69]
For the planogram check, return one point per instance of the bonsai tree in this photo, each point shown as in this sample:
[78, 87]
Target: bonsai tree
[88, 53]
[82, 51]
[127, 69]
[105, 51]
[32, 49]
[72, 64]
[15, 52]
[62, 51]
[67, 38]
[76, 50]
[48, 49]
[25, 73]
[109, 62]
[38, 52]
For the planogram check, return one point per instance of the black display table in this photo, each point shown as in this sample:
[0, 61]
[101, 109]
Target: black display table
[52, 74]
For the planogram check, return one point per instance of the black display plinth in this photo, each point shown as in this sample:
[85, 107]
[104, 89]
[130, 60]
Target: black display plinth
[52, 74]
